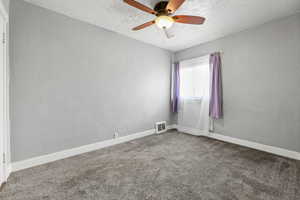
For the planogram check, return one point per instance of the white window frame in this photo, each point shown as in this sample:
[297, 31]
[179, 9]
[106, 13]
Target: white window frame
[195, 61]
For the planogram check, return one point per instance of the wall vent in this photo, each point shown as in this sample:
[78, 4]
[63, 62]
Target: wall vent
[160, 127]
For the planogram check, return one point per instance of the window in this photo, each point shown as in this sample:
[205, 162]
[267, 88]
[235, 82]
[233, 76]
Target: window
[194, 78]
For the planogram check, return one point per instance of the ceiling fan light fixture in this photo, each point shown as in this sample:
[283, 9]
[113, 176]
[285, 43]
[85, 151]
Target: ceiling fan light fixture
[164, 22]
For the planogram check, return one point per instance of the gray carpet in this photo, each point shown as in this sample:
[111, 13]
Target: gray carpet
[170, 166]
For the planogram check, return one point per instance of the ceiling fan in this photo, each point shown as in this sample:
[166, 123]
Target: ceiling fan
[164, 11]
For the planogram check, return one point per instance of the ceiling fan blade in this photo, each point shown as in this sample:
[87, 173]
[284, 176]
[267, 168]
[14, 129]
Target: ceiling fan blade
[140, 6]
[186, 19]
[143, 25]
[173, 5]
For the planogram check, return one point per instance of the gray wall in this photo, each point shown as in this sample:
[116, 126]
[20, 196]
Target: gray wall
[261, 79]
[74, 84]
[6, 4]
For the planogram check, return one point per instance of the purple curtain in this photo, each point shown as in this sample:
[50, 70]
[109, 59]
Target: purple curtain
[175, 88]
[216, 99]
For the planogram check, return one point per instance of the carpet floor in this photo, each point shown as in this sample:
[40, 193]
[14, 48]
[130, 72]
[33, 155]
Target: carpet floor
[171, 166]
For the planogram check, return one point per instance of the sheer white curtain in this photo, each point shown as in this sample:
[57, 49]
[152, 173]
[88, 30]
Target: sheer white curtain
[193, 114]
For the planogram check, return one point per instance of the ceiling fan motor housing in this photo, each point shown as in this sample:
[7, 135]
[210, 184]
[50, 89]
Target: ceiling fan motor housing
[160, 8]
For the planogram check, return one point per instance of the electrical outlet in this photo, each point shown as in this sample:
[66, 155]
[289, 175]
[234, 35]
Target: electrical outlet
[116, 135]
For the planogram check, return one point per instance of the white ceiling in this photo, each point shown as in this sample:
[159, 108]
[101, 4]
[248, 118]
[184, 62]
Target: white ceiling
[223, 17]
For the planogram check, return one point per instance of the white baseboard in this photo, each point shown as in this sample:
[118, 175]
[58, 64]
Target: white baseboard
[253, 145]
[191, 131]
[8, 172]
[24, 164]
[262, 147]
[173, 126]
[16, 166]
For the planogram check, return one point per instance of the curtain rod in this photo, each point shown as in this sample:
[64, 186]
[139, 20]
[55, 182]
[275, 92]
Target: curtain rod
[221, 52]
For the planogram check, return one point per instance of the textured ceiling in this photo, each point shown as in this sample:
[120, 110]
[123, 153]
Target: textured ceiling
[223, 17]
